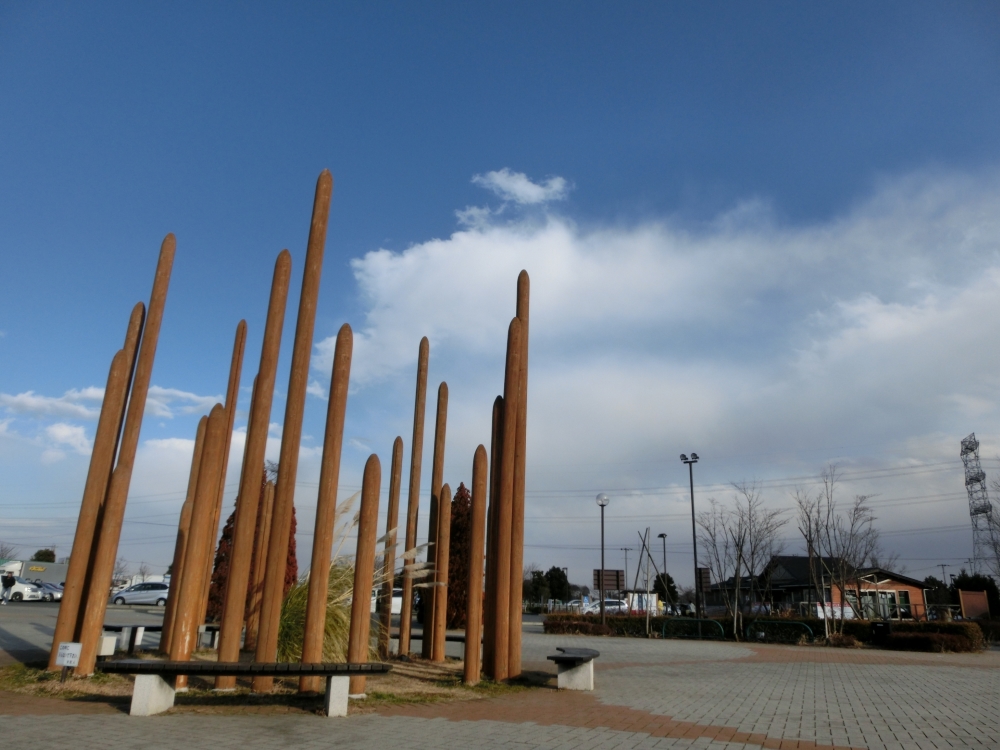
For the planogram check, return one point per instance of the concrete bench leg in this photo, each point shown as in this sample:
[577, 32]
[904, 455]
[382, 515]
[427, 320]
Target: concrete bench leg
[337, 687]
[151, 695]
[576, 677]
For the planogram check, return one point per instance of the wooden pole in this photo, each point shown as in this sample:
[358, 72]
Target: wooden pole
[474, 602]
[517, 506]
[364, 570]
[189, 597]
[441, 578]
[181, 545]
[260, 558]
[503, 603]
[413, 498]
[489, 600]
[326, 509]
[114, 505]
[437, 473]
[247, 511]
[102, 459]
[389, 551]
[284, 492]
[232, 394]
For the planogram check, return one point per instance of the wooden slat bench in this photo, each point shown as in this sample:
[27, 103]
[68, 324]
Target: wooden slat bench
[576, 668]
[154, 680]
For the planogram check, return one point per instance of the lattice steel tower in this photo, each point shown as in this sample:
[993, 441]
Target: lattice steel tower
[980, 509]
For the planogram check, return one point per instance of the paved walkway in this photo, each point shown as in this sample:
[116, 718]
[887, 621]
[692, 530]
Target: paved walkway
[651, 694]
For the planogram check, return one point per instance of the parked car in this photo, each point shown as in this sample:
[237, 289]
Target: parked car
[51, 592]
[611, 607]
[397, 600]
[24, 591]
[144, 593]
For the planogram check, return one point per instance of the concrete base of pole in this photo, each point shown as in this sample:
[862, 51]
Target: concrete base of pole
[151, 695]
[335, 701]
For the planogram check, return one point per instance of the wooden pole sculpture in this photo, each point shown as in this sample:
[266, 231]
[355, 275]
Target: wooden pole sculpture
[364, 570]
[437, 472]
[250, 490]
[232, 394]
[260, 558]
[117, 494]
[326, 509]
[474, 602]
[517, 506]
[102, 459]
[441, 577]
[188, 617]
[389, 552]
[503, 603]
[181, 545]
[489, 603]
[413, 498]
[284, 493]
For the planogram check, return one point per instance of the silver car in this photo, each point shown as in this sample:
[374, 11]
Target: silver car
[144, 593]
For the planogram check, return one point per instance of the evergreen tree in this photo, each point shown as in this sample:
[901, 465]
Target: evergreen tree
[558, 584]
[668, 594]
[44, 555]
[458, 557]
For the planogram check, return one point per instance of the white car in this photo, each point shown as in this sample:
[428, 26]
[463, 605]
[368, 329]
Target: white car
[397, 600]
[611, 607]
[24, 591]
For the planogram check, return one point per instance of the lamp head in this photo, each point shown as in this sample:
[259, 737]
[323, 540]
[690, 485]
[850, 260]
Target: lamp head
[684, 457]
[661, 536]
[694, 456]
[603, 500]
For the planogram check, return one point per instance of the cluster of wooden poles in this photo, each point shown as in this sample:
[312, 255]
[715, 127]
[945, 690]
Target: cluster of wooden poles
[263, 518]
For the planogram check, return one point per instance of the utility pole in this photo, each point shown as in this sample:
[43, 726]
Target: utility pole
[626, 550]
[666, 591]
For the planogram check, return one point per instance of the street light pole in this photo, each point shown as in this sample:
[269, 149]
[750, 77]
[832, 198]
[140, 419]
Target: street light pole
[628, 601]
[694, 532]
[602, 500]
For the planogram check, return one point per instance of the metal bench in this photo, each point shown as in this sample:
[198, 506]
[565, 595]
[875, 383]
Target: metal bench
[154, 680]
[575, 668]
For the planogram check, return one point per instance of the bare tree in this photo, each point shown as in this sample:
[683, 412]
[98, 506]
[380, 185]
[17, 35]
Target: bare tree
[144, 571]
[7, 551]
[843, 541]
[740, 542]
[121, 569]
[722, 538]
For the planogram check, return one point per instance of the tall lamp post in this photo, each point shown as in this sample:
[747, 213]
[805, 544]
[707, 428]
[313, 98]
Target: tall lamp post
[602, 500]
[694, 532]
[666, 592]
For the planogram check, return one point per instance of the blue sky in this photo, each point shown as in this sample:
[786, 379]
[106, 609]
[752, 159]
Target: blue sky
[765, 232]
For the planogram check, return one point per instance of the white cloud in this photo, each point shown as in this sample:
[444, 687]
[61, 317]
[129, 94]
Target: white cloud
[316, 389]
[165, 402]
[515, 186]
[73, 403]
[71, 436]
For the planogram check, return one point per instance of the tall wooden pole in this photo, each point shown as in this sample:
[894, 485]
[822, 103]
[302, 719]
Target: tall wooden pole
[250, 478]
[517, 506]
[260, 558]
[117, 494]
[183, 535]
[389, 551]
[437, 473]
[284, 493]
[102, 459]
[489, 602]
[188, 617]
[364, 570]
[474, 601]
[232, 394]
[503, 604]
[441, 577]
[326, 509]
[413, 498]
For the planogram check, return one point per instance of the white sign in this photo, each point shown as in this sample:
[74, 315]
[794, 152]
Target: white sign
[68, 654]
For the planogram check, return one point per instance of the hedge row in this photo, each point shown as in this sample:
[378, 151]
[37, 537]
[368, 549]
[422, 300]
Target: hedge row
[955, 636]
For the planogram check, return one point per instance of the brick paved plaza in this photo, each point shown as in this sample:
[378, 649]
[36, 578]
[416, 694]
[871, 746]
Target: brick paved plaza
[669, 694]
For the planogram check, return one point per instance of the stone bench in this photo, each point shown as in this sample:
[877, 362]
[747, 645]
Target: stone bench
[154, 680]
[575, 667]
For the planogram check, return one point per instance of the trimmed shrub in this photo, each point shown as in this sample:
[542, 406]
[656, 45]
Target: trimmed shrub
[934, 642]
[843, 641]
[575, 627]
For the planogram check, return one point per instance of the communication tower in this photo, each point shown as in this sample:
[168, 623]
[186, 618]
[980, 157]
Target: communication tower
[984, 541]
